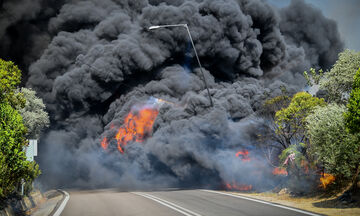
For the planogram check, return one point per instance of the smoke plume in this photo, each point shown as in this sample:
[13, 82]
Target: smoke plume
[101, 62]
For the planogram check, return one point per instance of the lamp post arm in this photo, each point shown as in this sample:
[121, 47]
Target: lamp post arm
[201, 70]
[197, 57]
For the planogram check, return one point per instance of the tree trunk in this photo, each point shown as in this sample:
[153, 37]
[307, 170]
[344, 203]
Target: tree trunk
[353, 187]
[354, 179]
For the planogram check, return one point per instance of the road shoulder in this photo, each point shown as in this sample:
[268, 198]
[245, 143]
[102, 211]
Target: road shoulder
[54, 200]
[312, 204]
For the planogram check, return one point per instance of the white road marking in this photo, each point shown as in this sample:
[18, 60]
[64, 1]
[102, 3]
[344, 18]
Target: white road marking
[263, 202]
[168, 204]
[63, 204]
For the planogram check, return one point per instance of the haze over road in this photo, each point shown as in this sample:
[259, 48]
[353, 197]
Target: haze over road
[169, 202]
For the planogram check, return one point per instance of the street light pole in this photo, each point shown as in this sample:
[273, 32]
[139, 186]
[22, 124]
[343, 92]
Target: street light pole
[197, 57]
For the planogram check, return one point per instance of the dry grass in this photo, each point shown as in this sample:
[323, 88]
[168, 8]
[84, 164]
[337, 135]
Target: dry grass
[328, 206]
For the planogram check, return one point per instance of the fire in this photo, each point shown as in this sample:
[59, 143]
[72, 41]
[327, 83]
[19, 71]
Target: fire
[137, 127]
[244, 155]
[326, 179]
[279, 171]
[239, 187]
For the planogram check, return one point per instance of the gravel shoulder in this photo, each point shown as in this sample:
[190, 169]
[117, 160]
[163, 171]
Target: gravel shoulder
[52, 199]
[327, 206]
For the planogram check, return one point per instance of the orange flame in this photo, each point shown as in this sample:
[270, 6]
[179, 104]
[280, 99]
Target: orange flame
[326, 179]
[279, 171]
[104, 143]
[137, 126]
[239, 187]
[244, 155]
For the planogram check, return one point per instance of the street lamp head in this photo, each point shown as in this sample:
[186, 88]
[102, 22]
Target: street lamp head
[166, 26]
[153, 27]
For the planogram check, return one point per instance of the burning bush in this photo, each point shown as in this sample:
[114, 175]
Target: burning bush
[326, 179]
[331, 143]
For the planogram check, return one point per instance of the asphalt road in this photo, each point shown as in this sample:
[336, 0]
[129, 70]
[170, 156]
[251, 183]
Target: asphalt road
[170, 203]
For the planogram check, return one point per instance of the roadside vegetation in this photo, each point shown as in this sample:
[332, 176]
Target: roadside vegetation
[22, 116]
[316, 138]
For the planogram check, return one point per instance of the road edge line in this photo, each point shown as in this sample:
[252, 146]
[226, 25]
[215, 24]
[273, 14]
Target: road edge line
[162, 203]
[265, 202]
[63, 203]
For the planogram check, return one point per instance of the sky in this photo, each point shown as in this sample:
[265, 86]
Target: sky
[345, 12]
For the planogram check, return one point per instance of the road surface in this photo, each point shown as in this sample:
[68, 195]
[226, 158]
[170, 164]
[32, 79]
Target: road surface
[169, 203]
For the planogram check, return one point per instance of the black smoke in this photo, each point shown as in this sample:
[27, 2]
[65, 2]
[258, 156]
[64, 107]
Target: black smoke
[101, 60]
[317, 35]
[24, 30]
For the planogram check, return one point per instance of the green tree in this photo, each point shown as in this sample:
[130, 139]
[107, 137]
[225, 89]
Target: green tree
[314, 78]
[12, 157]
[292, 127]
[34, 116]
[10, 78]
[267, 113]
[352, 119]
[14, 165]
[267, 140]
[352, 116]
[338, 81]
[291, 122]
[331, 143]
